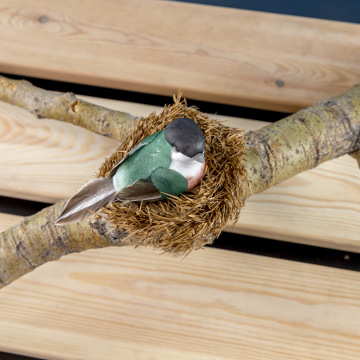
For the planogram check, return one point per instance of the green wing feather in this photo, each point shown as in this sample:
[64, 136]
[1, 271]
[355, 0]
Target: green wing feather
[169, 181]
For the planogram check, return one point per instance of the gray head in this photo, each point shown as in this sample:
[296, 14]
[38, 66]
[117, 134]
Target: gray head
[186, 136]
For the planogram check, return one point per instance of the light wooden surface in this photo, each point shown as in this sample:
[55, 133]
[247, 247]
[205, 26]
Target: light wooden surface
[7, 220]
[47, 160]
[212, 53]
[121, 303]
[319, 207]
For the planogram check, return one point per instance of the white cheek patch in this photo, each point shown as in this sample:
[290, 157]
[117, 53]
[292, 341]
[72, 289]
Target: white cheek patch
[184, 165]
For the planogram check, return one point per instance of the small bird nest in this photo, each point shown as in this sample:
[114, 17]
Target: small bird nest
[195, 218]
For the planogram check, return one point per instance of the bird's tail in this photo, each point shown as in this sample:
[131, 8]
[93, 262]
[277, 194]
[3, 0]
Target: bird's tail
[90, 198]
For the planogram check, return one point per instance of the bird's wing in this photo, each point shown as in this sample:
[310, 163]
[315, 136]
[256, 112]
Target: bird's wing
[161, 183]
[146, 141]
[169, 182]
[90, 198]
[138, 191]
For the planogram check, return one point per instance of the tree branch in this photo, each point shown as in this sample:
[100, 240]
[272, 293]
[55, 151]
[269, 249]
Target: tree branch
[302, 141]
[274, 153]
[66, 107]
[35, 240]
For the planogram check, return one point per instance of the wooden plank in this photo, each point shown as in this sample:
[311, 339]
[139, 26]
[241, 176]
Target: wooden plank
[48, 160]
[121, 303]
[216, 54]
[7, 220]
[319, 207]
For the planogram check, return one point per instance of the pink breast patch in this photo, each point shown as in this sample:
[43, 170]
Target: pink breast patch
[195, 180]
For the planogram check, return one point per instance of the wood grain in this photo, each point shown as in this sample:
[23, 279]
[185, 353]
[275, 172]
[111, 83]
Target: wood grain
[319, 207]
[216, 54]
[121, 303]
[48, 160]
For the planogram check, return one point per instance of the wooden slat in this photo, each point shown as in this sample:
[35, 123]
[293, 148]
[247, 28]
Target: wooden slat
[121, 303]
[48, 160]
[212, 53]
[319, 207]
[7, 220]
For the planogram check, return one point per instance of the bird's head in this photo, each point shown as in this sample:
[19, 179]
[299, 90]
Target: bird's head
[186, 138]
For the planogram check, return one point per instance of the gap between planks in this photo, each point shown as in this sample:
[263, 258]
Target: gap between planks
[214, 54]
[47, 160]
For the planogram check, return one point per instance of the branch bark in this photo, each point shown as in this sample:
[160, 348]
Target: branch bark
[274, 153]
[302, 141]
[66, 107]
[35, 240]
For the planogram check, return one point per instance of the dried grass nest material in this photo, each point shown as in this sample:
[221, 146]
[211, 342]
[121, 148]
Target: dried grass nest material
[194, 219]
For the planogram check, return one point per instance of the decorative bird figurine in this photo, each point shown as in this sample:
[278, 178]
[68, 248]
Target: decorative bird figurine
[168, 162]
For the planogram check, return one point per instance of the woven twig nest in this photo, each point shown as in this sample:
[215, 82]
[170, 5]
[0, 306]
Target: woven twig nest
[194, 219]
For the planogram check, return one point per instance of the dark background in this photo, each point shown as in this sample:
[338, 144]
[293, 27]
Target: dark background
[346, 10]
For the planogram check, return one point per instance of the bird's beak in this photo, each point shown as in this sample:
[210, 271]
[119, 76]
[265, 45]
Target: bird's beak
[199, 157]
